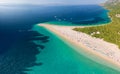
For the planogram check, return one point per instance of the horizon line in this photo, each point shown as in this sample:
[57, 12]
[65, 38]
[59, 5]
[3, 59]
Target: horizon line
[50, 4]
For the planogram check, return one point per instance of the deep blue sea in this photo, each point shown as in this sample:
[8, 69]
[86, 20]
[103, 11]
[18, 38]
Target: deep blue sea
[28, 49]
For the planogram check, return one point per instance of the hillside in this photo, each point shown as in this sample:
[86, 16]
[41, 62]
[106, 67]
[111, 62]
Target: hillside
[112, 3]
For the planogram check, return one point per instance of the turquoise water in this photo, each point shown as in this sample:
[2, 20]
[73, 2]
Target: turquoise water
[60, 58]
[18, 51]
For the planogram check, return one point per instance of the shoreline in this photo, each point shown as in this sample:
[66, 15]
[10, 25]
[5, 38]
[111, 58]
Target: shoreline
[92, 54]
[82, 26]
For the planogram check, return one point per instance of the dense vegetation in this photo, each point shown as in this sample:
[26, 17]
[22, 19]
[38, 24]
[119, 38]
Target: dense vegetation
[109, 32]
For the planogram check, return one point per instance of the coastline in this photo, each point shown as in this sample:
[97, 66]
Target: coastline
[82, 26]
[92, 54]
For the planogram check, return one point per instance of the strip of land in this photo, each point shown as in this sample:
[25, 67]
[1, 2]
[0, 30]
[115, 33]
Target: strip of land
[97, 48]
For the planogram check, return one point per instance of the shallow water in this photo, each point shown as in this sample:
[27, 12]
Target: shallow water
[60, 58]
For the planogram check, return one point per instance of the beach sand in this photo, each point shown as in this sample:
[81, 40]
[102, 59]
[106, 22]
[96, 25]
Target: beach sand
[96, 49]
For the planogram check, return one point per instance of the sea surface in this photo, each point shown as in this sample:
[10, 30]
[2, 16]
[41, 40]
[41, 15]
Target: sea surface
[26, 48]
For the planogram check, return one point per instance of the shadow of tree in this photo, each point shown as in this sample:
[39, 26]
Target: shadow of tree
[22, 54]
